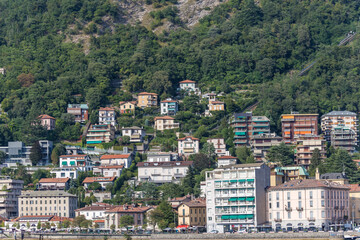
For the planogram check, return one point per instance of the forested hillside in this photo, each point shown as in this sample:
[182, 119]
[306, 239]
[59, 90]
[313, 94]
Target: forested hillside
[240, 44]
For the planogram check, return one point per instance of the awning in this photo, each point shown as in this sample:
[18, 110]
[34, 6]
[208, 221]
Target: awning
[233, 216]
[250, 199]
[72, 163]
[250, 215]
[217, 181]
[250, 180]
[226, 181]
[241, 198]
[241, 180]
[233, 181]
[182, 226]
[225, 217]
[233, 199]
[243, 216]
[64, 163]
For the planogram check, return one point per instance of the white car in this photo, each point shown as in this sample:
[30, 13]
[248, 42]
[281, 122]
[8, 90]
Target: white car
[214, 231]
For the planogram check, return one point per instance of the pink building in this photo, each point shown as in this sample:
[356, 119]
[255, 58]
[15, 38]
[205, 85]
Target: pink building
[47, 121]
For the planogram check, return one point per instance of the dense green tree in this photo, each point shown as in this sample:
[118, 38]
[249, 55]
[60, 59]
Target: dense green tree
[57, 151]
[281, 154]
[244, 155]
[126, 220]
[35, 153]
[201, 162]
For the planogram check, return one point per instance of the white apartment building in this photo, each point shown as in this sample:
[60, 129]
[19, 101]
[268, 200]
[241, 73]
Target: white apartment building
[107, 115]
[109, 171]
[94, 211]
[235, 196]
[219, 145]
[162, 172]
[10, 189]
[66, 172]
[103, 181]
[81, 162]
[226, 160]
[161, 156]
[165, 123]
[188, 145]
[58, 203]
[168, 107]
[305, 203]
[335, 118]
[136, 134]
[116, 160]
[189, 86]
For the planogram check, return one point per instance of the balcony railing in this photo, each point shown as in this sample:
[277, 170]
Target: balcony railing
[300, 209]
[311, 219]
[289, 209]
[277, 219]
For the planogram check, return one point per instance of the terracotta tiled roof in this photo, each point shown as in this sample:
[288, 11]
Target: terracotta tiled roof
[227, 157]
[3, 219]
[187, 81]
[106, 109]
[216, 102]
[111, 166]
[308, 183]
[45, 116]
[184, 138]
[354, 187]
[95, 208]
[195, 203]
[123, 102]
[98, 179]
[99, 221]
[146, 93]
[128, 209]
[54, 180]
[115, 156]
[164, 118]
[59, 219]
[164, 164]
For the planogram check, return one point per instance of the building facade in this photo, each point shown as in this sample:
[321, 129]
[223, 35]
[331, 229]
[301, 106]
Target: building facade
[246, 127]
[17, 152]
[66, 172]
[94, 211]
[58, 203]
[261, 144]
[127, 107]
[307, 203]
[146, 99]
[100, 133]
[112, 216]
[80, 112]
[188, 86]
[81, 162]
[163, 172]
[53, 184]
[103, 181]
[354, 195]
[10, 189]
[344, 138]
[305, 146]
[216, 106]
[297, 125]
[192, 213]
[235, 196]
[162, 156]
[226, 160]
[136, 134]
[332, 119]
[47, 121]
[165, 123]
[280, 175]
[219, 145]
[116, 159]
[109, 171]
[169, 107]
[107, 115]
[188, 145]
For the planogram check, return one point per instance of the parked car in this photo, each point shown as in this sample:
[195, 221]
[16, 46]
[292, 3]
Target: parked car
[214, 231]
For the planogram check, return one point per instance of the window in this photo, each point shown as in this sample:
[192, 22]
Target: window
[288, 205]
[299, 204]
[288, 196]
[311, 214]
[210, 218]
[277, 204]
[195, 219]
[311, 203]
[323, 214]
[191, 211]
[299, 195]
[311, 195]
[269, 205]
[289, 215]
[323, 194]
[277, 215]
[277, 196]
[323, 203]
[300, 214]
[270, 216]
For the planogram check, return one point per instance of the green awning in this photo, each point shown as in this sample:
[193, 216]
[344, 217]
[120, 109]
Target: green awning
[225, 217]
[241, 180]
[233, 181]
[217, 181]
[233, 199]
[250, 215]
[233, 216]
[250, 199]
[64, 163]
[250, 180]
[72, 163]
[243, 216]
[226, 181]
[241, 198]
[240, 133]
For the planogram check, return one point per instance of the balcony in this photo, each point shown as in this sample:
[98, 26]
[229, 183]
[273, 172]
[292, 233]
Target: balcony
[289, 209]
[300, 209]
[311, 219]
[336, 207]
[277, 219]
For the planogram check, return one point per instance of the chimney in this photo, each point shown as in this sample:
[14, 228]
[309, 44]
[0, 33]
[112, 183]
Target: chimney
[317, 174]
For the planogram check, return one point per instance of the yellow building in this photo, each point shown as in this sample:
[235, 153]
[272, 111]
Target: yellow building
[146, 99]
[127, 107]
[216, 106]
[279, 175]
[354, 196]
[192, 213]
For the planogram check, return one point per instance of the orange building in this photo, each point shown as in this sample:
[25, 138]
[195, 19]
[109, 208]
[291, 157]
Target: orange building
[146, 99]
[216, 106]
[297, 125]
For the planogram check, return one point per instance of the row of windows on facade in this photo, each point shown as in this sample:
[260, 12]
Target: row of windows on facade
[191, 219]
[311, 204]
[46, 214]
[330, 214]
[332, 194]
[45, 208]
[191, 211]
[177, 170]
[45, 201]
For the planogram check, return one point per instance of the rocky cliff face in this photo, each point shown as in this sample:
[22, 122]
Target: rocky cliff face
[190, 11]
